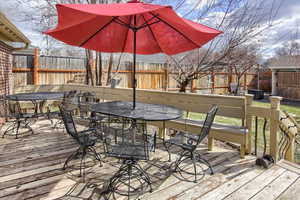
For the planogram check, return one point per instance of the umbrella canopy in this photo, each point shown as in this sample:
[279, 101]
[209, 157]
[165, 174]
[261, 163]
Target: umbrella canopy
[132, 27]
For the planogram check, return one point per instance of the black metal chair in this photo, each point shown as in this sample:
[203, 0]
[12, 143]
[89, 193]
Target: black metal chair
[16, 117]
[86, 140]
[85, 101]
[189, 143]
[69, 102]
[133, 145]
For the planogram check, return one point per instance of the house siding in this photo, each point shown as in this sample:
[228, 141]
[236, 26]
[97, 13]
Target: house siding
[6, 76]
[288, 85]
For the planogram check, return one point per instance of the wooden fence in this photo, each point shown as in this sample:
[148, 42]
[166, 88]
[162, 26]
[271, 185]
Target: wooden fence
[36, 69]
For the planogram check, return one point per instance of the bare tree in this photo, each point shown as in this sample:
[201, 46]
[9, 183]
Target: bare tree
[241, 21]
[241, 60]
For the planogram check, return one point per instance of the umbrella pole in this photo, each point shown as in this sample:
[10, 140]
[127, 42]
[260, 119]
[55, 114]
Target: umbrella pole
[134, 62]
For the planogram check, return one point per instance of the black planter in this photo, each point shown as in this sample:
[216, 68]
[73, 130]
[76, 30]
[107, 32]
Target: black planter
[258, 94]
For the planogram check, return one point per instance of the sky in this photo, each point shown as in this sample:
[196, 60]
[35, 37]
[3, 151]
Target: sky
[285, 26]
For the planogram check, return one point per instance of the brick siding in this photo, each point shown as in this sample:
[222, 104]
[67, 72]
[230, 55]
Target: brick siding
[6, 76]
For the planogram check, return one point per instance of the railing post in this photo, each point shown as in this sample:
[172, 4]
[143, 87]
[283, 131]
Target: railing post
[35, 69]
[274, 124]
[289, 156]
[248, 117]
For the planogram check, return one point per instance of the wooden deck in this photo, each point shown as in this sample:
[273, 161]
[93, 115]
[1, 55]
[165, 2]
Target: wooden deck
[30, 168]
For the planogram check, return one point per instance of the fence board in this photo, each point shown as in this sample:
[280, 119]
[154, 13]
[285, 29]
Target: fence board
[61, 70]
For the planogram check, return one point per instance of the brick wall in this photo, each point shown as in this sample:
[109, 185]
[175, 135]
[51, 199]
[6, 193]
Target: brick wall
[6, 76]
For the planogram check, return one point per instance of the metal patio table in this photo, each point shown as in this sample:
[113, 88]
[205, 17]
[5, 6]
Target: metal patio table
[37, 98]
[23, 120]
[142, 111]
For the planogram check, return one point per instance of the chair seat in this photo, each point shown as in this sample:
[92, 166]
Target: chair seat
[128, 151]
[182, 140]
[87, 140]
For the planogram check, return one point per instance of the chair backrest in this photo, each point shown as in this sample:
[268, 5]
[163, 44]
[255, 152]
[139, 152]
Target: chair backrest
[210, 116]
[129, 133]
[70, 100]
[86, 97]
[4, 112]
[68, 122]
[12, 108]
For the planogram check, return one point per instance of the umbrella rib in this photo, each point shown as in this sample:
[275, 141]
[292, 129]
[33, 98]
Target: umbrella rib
[151, 31]
[125, 41]
[103, 27]
[174, 29]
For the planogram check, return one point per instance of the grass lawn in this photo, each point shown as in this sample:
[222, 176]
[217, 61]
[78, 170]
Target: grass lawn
[260, 144]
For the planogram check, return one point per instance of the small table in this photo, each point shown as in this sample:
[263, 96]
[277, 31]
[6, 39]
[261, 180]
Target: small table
[21, 119]
[37, 98]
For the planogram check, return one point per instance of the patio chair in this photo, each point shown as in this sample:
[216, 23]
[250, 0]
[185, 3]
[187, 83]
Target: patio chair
[189, 143]
[16, 117]
[69, 102]
[85, 100]
[130, 150]
[85, 139]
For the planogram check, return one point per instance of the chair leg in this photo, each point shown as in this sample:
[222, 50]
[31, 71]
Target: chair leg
[9, 128]
[18, 127]
[26, 125]
[204, 161]
[97, 156]
[145, 174]
[82, 163]
[168, 150]
[73, 155]
[195, 167]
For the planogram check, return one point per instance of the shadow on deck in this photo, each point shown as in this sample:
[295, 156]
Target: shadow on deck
[31, 168]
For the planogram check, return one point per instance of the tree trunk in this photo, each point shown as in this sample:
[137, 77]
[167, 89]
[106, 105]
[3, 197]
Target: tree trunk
[110, 64]
[183, 85]
[98, 69]
[89, 75]
[236, 92]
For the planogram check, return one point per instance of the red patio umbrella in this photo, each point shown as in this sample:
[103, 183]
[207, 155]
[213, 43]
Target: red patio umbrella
[132, 27]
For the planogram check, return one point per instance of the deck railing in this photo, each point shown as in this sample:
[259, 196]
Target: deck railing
[280, 145]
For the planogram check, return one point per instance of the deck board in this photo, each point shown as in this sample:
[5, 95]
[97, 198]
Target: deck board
[30, 168]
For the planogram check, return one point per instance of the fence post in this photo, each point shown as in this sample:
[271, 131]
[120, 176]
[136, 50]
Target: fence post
[274, 124]
[229, 74]
[165, 77]
[212, 80]
[35, 69]
[248, 103]
[245, 81]
[129, 77]
[193, 86]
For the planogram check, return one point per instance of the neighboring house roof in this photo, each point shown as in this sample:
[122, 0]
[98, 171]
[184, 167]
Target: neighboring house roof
[290, 63]
[27, 51]
[10, 33]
